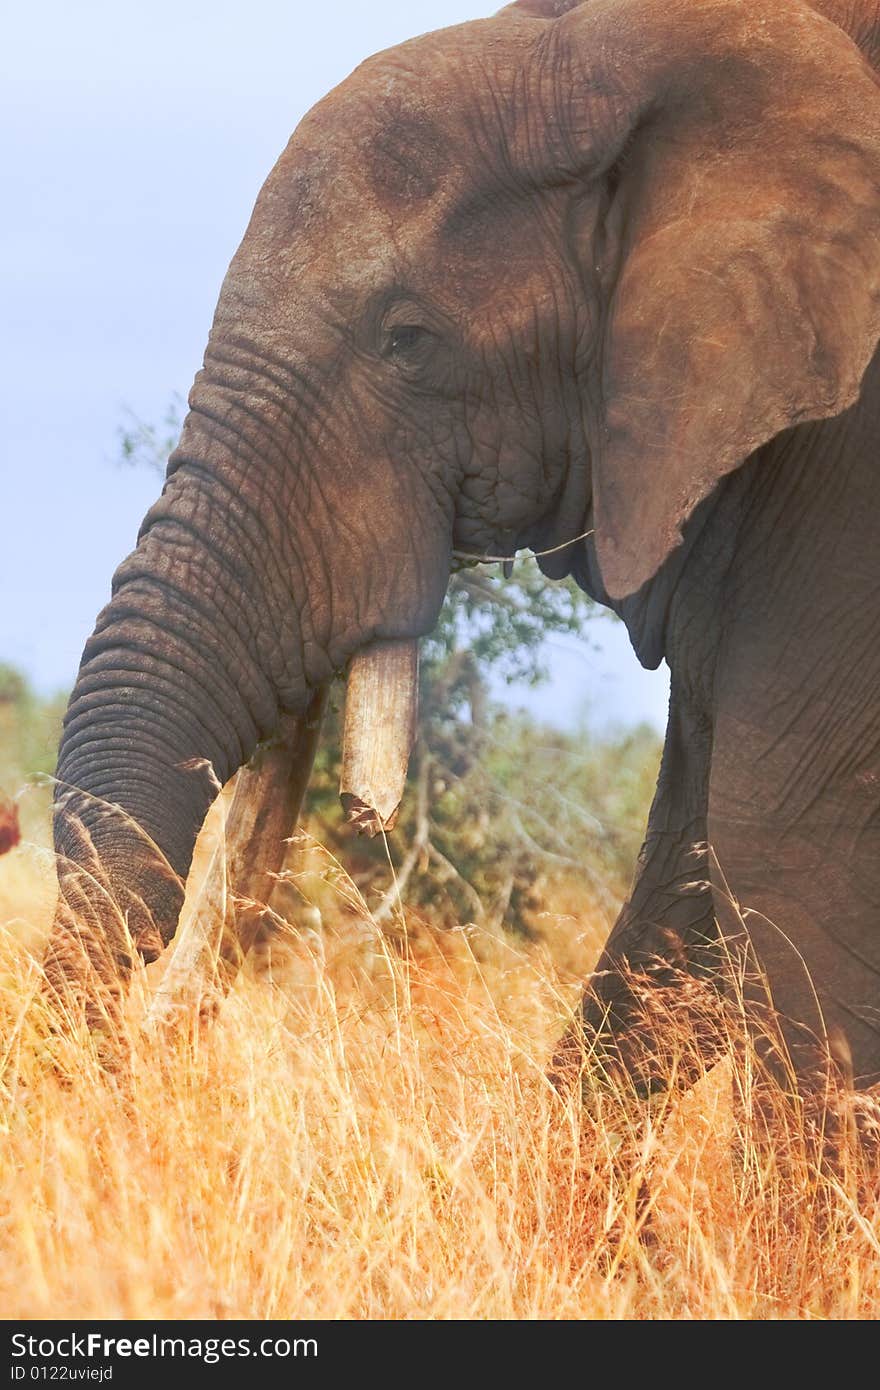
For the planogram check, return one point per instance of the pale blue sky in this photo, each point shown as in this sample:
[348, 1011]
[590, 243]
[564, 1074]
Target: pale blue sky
[138, 135]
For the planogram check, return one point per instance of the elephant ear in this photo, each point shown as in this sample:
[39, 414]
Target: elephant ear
[742, 242]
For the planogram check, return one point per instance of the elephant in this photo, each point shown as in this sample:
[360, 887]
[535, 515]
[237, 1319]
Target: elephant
[598, 279]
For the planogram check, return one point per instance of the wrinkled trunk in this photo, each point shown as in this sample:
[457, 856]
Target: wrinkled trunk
[187, 670]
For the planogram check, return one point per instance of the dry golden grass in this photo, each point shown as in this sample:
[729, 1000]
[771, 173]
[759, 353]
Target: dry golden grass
[367, 1132]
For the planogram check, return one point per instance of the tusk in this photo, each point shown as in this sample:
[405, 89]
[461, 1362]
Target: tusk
[232, 903]
[381, 708]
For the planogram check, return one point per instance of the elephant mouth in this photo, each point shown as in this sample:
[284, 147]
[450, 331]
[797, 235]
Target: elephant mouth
[381, 712]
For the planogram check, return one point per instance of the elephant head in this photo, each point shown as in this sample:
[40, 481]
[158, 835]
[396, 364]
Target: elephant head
[550, 273]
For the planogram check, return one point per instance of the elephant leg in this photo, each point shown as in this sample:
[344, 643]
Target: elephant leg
[662, 958]
[794, 821]
[807, 891]
[232, 907]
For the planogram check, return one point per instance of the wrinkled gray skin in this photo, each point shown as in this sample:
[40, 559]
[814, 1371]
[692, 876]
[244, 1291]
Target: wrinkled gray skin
[614, 266]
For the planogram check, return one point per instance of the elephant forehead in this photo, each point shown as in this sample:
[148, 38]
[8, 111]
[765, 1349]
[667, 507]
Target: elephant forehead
[350, 199]
[394, 128]
[406, 156]
[317, 216]
[386, 138]
[372, 170]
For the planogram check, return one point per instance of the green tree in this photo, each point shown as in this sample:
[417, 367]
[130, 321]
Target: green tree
[30, 727]
[145, 445]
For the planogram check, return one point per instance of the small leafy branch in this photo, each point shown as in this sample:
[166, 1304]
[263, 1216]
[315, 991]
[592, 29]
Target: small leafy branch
[145, 445]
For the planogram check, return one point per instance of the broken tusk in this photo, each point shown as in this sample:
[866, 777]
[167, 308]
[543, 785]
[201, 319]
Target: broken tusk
[232, 903]
[381, 707]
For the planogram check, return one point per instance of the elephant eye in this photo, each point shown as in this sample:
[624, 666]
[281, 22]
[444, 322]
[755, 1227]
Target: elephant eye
[414, 350]
[404, 340]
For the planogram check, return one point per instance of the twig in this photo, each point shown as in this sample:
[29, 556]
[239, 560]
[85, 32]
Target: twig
[394, 896]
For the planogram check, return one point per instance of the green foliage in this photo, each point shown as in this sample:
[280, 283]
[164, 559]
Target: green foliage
[504, 623]
[145, 445]
[498, 817]
[30, 727]
[541, 806]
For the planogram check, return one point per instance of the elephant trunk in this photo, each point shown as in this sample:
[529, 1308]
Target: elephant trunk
[187, 670]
